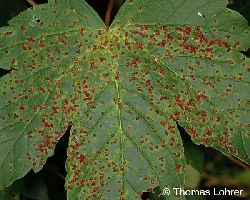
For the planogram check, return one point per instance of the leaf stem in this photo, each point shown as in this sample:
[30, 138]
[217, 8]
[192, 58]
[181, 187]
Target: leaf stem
[108, 13]
[31, 2]
[239, 163]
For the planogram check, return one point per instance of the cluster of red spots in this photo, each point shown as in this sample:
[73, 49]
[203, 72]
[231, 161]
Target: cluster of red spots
[76, 172]
[81, 159]
[46, 124]
[192, 49]
[41, 89]
[191, 130]
[235, 45]
[225, 143]
[101, 59]
[135, 62]
[138, 44]
[150, 91]
[92, 65]
[143, 27]
[175, 116]
[139, 33]
[169, 87]
[34, 160]
[134, 76]
[163, 143]
[26, 47]
[222, 43]
[76, 145]
[102, 179]
[67, 108]
[204, 116]
[31, 40]
[138, 88]
[199, 36]
[178, 101]
[55, 109]
[187, 30]
[173, 140]
[7, 33]
[116, 74]
[48, 142]
[87, 92]
[117, 101]
[170, 128]
[78, 51]
[200, 96]
[207, 133]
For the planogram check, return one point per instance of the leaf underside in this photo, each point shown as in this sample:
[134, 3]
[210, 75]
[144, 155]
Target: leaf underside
[123, 90]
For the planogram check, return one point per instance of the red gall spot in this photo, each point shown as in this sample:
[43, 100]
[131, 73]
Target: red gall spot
[14, 62]
[23, 29]
[41, 45]
[55, 109]
[192, 49]
[164, 123]
[235, 45]
[162, 43]
[200, 96]
[47, 125]
[75, 60]
[204, 116]
[225, 134]
[163, 98]
[199, 35]
[26, 47]
[82, 31]
[31, 40]
[187, 30]
[168, 36]
[137, 60]
[81, 160]
[22, 107]
[16, 116]
[178, 168]
[143, 27]
[150, 190]
[148, 83]
[162, 71]
[83, 182]
[91, 105]
[175, 116]
[101, 59]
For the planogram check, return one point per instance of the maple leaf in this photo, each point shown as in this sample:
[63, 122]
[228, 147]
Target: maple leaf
[122, 90]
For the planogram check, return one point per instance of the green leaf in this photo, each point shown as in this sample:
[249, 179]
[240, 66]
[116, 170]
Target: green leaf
[122, 90]
[30, 186]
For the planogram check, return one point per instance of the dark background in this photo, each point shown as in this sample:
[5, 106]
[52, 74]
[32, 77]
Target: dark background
[216, 170]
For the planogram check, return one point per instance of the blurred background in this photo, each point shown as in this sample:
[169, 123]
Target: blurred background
[206, 168]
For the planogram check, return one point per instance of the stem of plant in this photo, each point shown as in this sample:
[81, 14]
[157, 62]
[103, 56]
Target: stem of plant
[31, 2]
[108, 13]
[239, 163]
